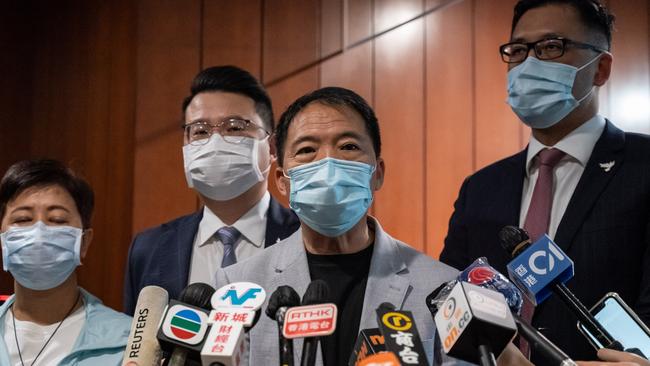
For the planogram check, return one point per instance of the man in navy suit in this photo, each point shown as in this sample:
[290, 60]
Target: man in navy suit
[581, 179]
[227, 123]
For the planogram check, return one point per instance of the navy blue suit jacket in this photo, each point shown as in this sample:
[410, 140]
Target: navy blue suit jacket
[161, 255]
[605, 230]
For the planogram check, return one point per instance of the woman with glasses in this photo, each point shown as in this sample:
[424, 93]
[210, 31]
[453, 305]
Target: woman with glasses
[45, 212]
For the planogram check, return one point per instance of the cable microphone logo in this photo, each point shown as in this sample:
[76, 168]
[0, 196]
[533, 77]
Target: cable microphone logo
[551, 261]
[449, 308]
[480, 275]
[185, 324]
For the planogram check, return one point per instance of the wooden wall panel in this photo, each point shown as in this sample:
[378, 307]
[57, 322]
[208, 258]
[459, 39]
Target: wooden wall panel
[352, 70]
[630, 79]
[399, 104]
[82, 113]
[232, 34]
[498, 131]
[358, 20]
[389, 13]
[291, 37]
[167, 59]
[331, 27]
[15, 94]
[449, 115]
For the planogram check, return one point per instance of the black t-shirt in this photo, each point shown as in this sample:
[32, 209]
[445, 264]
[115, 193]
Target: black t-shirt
[346, 275]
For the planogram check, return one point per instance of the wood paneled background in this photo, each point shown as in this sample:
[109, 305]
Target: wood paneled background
[98, 84]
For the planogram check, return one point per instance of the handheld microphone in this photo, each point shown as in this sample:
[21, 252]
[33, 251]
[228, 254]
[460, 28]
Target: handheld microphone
[369, 342]
[380, 359]
[313, 319]
[497, 282]
[283, 298]
[540, 268]
[142, 346]
[185, 324]
[475, 319]
[236, 307]
[401, 335]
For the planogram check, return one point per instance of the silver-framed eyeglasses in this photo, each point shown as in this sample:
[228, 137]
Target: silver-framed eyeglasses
[233, 130]
[545, 49]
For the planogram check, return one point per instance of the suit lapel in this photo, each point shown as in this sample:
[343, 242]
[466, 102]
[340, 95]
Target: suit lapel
[609, 148]
[387, 281]
[280, 223]
[513, 187]
[293, 270]
[182, 238]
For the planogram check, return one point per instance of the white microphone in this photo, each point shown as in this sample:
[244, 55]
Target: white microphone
[142, 346]
[235, 307]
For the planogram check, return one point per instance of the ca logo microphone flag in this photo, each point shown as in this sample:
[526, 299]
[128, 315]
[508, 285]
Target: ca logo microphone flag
[185, 324]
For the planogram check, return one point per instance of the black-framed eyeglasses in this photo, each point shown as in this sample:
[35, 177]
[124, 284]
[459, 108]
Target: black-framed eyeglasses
[233, 130]
[545, 49]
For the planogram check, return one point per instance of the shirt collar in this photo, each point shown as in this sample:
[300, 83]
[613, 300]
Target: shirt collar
[577, 145]
[251, 225]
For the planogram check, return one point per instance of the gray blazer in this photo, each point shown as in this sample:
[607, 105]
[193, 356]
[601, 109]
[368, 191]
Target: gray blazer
[398, 274]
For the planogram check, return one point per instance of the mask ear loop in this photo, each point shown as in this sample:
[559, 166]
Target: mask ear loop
[592, 87]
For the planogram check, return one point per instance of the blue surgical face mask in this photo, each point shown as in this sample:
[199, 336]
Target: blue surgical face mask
[331, 195]
[41, 257]
[540, 92]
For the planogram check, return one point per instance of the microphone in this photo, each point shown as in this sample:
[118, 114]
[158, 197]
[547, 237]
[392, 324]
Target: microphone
[380, 359]
[401, 335]
[369, 342]
[282, 298]
[540, 268]
[494, 280]
[474, 319]
[142, 347]
[316, 294]
[185, 324]
[236, 308]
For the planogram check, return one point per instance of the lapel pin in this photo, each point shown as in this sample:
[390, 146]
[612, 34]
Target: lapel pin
[607, 166]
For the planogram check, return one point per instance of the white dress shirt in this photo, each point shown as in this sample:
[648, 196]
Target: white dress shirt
[577, 146]
[32, 338]
[207, 251]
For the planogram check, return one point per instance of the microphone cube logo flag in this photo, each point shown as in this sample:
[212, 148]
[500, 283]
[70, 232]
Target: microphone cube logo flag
[185, 324]
[310, 321]
[244, 295]
[538, 267]
[472, 316]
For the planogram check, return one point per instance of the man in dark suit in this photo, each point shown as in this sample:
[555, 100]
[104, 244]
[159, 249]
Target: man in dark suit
[227, 123]
[581, 179]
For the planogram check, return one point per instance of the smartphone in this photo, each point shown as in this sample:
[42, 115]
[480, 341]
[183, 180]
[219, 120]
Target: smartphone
[622, 324]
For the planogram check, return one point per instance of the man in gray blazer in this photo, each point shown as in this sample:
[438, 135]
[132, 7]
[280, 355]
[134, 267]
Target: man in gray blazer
[328, 147]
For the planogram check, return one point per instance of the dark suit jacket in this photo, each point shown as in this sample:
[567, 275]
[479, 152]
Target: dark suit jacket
[605, 230]
[161, 255]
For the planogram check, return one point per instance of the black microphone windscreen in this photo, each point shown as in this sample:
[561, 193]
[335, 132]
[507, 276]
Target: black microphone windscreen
[283, 296]
[511, 237]
[386, 306]
[197, 294]
[317, 293]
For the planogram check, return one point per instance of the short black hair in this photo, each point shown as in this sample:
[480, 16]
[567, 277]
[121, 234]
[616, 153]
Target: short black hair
[333, 96]
[593, 13]
[232, 79]
[42, 173]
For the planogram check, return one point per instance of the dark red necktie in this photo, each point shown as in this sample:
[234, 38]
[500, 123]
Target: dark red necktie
[539, 217]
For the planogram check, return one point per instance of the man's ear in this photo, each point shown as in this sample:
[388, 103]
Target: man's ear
[272, 149]
[604, 69]
[281, 182]
[380, 170]
[86, 239]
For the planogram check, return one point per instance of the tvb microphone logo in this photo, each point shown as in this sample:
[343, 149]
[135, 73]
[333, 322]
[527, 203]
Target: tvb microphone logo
[185, 325]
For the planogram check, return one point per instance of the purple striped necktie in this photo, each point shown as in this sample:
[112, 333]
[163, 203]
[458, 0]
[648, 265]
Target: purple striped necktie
[228, 236]
[539, 217]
